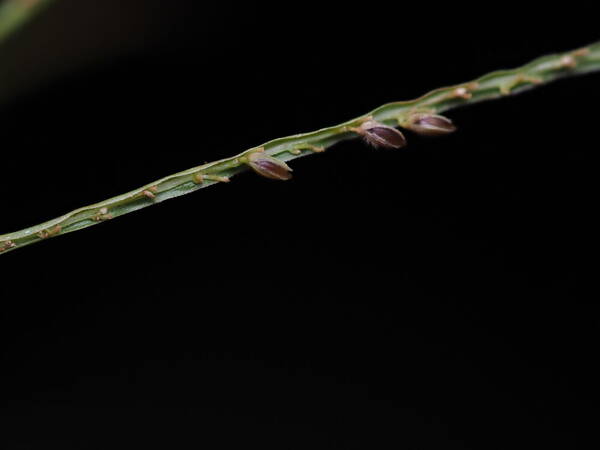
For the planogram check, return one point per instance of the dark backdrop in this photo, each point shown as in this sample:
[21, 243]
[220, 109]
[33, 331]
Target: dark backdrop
[439, 296]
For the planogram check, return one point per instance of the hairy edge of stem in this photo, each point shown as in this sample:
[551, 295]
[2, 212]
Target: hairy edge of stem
[14, 13]
[493, 85]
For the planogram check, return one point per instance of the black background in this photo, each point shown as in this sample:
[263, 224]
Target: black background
[438, 296]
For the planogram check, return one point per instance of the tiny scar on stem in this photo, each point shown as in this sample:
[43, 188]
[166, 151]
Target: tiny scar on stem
[298, 149]
[44, 234]
[7, 245]
[200, 178]
[102, 215]
[519, 79]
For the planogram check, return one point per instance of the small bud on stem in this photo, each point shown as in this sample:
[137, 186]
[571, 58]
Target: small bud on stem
[6, 245]
[429, 124]
[380, 135]
[269, 167]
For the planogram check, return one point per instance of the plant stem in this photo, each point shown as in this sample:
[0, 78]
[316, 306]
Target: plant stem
[15, 13]
[493, 85]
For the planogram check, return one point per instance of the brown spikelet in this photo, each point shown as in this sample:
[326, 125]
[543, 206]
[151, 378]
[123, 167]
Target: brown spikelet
[430, 124]
[380, 135]
[269, 167]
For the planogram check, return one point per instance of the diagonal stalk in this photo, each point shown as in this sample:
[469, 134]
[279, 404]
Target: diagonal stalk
[493, 85]
[15, 13]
